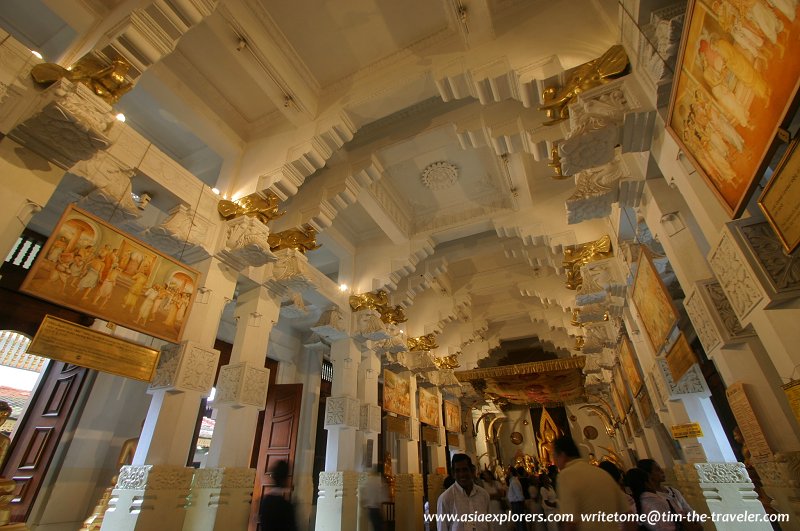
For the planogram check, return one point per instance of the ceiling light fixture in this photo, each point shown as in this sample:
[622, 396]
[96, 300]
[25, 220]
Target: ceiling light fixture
[215, 190]
[37, 54]
[342, 287]
[120, 117]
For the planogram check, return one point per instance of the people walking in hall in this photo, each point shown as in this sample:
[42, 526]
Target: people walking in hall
[617, 475]
[583, 488]
[663, 498]
[463, 497]
[549, 500]
[275, 512]
[516, 498]
[372, 496]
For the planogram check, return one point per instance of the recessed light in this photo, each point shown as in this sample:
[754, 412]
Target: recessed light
[121, 117]
[37, 54]
[342, 287]
[215, 190]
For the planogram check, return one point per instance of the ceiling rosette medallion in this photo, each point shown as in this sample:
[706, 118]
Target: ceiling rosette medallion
[440, 175]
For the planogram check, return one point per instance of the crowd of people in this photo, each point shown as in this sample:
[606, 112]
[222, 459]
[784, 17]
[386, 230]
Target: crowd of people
[572, 486]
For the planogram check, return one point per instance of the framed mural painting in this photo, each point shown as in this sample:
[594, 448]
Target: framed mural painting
[396, 394]
[680, 358]
[428, 407]
[630, 365]
[622, 389]
[452, 417]
[735, 84]
[780, 200]
[653, 302]
[90, 266]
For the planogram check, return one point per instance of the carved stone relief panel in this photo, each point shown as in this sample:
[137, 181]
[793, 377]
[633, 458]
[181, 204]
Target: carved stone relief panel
[342, 412]
[186, 366]
[242, 384]
[734, 276]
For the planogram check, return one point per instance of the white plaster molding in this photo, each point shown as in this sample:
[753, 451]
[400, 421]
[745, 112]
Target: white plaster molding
[183, 234]
[186, 366]
[342, 412]
[289, 273]
[602, 280]
[713, 317]
[245, 243]
[370, 418]
[368, 325]
[722, 473]
[331, 324]
[148, 34]
[64, 123]
[596, 189]
[154, 477]
[242, 384]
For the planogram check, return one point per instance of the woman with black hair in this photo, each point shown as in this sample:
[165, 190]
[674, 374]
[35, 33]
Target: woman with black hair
[673, 496]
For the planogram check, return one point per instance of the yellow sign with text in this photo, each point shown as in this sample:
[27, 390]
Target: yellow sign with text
[684, 431]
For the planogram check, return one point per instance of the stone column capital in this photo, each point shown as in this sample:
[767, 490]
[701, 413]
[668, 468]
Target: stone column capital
[370, 418]
[342, 412]
[244, 242]
[241, 385]
[186, 366]
[220, 478]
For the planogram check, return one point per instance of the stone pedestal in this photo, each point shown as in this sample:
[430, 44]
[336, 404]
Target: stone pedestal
[149, 498]
[220, 499]
[780, 477]
[720, 488]
[337, 505]
[408, 507]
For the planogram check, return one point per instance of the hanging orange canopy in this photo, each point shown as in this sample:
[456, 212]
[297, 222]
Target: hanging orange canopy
[550, 382]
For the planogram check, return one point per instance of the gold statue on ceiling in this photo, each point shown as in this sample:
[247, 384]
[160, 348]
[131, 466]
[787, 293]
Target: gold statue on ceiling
[393, 315]
[426, 342]
[447, 362]
[107, 80]
[611, 65]
[262, 206]
[301, 239]
[378, 301]
[580, 255]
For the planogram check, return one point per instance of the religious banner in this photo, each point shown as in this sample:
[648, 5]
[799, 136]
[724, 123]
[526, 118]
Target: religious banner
[428, 407]
[653, 301]
[92, 267]
[630, 365]
[550, 382]
[452, 417]
[680, 358]
[792, 390]
[780, 200]
[396, 394]
[747, 421]
[736, 80]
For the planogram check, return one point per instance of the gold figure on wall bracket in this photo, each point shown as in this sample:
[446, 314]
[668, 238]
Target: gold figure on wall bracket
[262, 206]
[107, 80]
[300, 239]
[426, 342]
[580, 255]
[447, 362]
[378, 301]
[611, 65]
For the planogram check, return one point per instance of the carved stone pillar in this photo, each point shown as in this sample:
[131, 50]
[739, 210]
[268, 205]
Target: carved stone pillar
[720, 488]
[435, 489]
[780, 477]
[756, 274]
[148, 498]
[337, 504]
[408, 502]
[220, 499]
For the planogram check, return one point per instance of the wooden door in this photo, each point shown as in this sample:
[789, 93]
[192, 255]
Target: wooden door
[34, 445]
[278, 439]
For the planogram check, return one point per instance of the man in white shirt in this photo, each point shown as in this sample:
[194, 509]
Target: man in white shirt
[464, 497]
[585, 489]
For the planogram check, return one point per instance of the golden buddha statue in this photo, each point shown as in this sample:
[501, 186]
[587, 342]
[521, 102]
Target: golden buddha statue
[126, 453]
[548, 433]
[611, 65]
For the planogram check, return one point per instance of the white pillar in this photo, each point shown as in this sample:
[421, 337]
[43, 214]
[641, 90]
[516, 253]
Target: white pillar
[222, 490]
[184, 376]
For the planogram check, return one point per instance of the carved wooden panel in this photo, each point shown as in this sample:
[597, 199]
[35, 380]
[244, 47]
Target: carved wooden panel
[34, 444]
